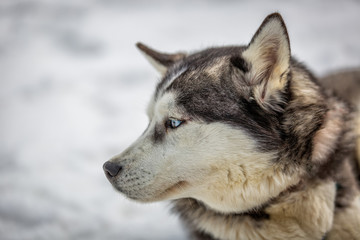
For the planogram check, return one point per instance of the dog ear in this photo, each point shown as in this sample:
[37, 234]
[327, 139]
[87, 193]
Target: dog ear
[268, 58]
[161, 61]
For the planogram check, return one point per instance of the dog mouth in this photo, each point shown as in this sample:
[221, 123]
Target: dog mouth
[150, 193]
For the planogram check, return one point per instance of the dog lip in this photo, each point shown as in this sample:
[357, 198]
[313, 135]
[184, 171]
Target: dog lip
[173, 189]
[107, 175]
[110, 178]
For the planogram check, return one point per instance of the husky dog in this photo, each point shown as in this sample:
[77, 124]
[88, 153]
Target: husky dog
[248, 144]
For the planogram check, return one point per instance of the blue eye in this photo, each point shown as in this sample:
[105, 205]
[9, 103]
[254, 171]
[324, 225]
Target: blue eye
[173, 123]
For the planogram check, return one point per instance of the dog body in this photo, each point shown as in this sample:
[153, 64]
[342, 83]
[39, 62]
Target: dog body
[247, 144]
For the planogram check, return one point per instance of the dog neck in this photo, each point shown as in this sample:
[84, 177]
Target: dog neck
[280, 213]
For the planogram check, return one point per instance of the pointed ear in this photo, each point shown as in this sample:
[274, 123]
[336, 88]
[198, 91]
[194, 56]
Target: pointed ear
[268, 58]
[161, 61]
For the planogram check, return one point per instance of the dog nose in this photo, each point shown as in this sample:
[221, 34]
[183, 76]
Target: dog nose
[112, 169]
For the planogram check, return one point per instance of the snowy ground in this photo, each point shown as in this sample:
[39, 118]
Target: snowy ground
[74, 89]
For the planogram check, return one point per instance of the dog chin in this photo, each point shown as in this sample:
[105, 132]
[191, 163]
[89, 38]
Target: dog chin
[172, 192]
[137, 196]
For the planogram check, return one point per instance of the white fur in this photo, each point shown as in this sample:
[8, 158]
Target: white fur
[214, 163]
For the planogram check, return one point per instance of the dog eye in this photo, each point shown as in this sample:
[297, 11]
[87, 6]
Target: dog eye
[173, 123]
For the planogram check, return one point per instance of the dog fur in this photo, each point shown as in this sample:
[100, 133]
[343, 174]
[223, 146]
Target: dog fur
[261, 148]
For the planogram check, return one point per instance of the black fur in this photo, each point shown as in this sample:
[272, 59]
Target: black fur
[159, 133]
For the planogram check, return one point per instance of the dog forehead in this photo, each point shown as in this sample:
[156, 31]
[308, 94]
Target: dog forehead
[203, 81]
[165, 105]
[209, 62]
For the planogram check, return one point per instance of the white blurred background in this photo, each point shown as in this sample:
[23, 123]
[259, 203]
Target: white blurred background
[74, 91]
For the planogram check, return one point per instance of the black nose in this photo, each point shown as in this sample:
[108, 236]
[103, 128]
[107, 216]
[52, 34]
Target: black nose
[112, 169]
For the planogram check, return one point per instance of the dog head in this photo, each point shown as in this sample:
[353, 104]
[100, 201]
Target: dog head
[213, 132]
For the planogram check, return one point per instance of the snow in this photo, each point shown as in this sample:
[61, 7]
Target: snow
[74, 91]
